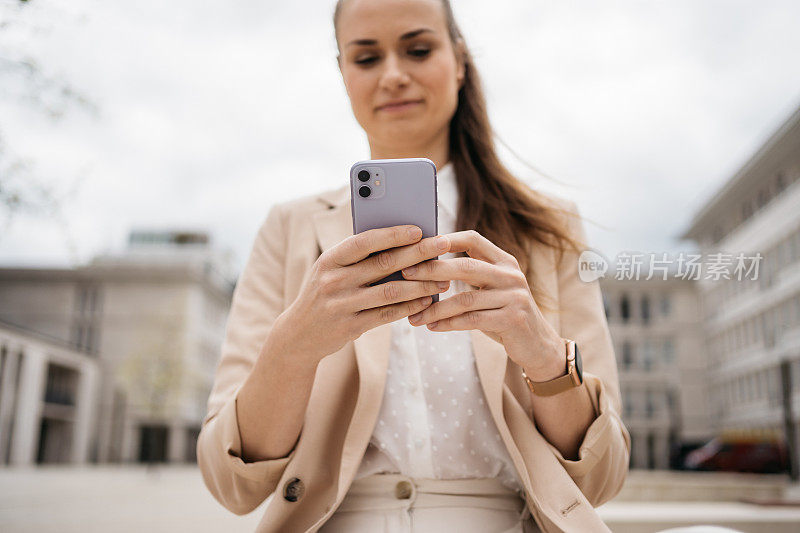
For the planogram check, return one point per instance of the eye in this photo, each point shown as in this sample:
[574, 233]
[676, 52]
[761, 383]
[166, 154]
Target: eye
[419, 52]
[366, 60]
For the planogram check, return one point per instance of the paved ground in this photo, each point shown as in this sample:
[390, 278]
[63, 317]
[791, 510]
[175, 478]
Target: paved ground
[127, 499]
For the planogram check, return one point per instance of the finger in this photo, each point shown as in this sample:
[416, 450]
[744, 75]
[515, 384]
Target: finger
[387, 262]
[370, 318]
[478, 246]
[484, 320]
[467, 269]
[358, 247]
[396, 291]
[460, 303]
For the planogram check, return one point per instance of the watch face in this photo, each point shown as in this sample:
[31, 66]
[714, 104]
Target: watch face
[578, 363]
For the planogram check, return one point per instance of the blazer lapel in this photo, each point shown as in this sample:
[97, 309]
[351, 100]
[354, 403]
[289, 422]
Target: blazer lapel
[372, 348]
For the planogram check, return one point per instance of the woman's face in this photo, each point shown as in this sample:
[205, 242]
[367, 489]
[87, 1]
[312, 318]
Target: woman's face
[399, 51]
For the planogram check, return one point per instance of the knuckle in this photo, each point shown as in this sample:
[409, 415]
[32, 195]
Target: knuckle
[363, 241]
[422, 248]
[324, 261]
[385, 260]
[473, 235]
[523, 297]
[391, 291]
[388, 314]
[329, 307]
[466, 299]
[466, 265]
[416, 305]
[399, 234]
[472, 318]
[520, 279]
[326, 282]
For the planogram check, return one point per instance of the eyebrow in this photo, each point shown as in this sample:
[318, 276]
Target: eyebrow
[405, 36]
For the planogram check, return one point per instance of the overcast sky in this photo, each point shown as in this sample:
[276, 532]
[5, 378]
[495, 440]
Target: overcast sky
[207, 112]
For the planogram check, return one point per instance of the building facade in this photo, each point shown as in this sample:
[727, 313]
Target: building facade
[658, 339]
[753, 323]
[48, 394]
[153, 319]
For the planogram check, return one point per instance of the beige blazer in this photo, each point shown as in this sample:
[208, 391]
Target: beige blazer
[309, 483]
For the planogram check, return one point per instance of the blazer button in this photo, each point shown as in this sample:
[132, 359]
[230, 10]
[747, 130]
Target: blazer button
[403, 490]
[293, 489]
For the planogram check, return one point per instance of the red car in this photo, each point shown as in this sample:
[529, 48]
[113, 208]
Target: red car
[739, 455]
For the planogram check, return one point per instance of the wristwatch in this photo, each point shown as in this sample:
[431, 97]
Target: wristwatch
[573, 377]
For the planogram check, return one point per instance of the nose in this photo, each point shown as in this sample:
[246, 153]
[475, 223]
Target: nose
[393, 75]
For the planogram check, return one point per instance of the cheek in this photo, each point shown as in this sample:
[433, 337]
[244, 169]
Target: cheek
[440, 80]
[360, 90]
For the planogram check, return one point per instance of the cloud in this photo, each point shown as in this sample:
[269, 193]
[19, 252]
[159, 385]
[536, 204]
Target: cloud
[212, 112]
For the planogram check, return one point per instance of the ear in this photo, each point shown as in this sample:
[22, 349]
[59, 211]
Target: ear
[461, 55]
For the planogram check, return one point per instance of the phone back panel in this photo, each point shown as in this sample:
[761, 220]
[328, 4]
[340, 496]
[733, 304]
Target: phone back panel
[403, 191]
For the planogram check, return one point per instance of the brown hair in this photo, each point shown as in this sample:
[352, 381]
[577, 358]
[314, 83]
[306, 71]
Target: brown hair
[492, 201]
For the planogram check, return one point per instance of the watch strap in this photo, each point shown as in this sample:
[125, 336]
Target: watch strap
[568, 381]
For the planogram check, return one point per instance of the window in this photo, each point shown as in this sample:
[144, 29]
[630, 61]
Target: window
[668, 351]
[626, 403]
[665, 305]
[627, 354]
[153, 443]
[647, 354]
[649, 404]
[645, 310]
[625, 308]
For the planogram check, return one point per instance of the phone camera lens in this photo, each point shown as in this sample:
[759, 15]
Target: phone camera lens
[364, 191]
[363, 175]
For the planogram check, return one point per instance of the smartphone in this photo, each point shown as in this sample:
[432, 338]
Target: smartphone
[391, 192]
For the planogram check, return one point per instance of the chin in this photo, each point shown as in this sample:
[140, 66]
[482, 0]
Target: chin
[400, 130]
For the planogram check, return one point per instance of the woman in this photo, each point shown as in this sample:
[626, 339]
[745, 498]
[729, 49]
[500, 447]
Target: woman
[353, 417]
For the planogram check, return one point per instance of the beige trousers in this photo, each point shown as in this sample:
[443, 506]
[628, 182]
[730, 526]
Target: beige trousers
[395, 503]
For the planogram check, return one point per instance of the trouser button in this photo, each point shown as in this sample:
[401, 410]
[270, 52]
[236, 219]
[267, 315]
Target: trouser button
[403, 490]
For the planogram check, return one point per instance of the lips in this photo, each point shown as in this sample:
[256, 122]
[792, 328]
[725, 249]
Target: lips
[398, 105]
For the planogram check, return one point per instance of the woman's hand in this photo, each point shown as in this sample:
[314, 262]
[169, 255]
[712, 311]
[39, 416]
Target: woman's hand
[502, 306]
[336, 304]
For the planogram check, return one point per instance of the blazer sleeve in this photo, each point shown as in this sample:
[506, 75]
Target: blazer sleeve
[603, 456]
[257, 301]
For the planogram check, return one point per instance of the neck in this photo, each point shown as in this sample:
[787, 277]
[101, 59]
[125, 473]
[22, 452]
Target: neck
[437, 150]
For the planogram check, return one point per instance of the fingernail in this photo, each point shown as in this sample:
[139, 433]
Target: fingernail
[410, 270]
[442, 284]
[433, 325]
[442, 242]
[414, 232]
[414, 318]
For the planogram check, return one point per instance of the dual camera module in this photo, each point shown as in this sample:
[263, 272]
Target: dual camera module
[370, 182]
[364, 191]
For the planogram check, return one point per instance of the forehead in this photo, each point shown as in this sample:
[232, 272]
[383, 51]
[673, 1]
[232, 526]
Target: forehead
[388, 19]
